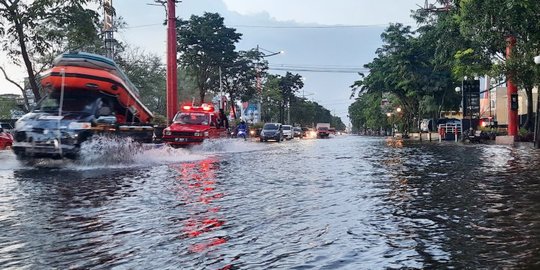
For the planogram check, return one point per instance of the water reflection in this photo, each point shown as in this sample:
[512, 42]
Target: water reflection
[69, 204]
[348, 202]
[196, 188]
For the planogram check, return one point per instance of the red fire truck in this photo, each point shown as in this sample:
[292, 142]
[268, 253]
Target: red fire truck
[194, 124]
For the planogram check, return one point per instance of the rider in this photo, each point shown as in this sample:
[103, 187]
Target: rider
[242, 126]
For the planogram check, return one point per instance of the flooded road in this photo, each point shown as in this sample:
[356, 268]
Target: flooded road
[346, 202]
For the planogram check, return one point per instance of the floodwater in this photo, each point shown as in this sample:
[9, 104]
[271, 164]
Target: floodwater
[346, 202]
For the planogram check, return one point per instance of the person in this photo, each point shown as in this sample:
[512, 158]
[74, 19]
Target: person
[242, 126]
[224, 122]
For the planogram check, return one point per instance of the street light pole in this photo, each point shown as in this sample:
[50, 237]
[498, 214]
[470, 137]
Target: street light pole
[537, 120]
[259, 79]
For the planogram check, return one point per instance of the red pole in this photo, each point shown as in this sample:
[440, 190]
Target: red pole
[511, 89]
[172, 90]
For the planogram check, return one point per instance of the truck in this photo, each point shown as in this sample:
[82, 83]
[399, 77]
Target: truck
[85, 95]
[193, 125]
[323, 130]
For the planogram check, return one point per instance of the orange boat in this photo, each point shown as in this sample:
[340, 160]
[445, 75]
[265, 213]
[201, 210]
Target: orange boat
[93, 73]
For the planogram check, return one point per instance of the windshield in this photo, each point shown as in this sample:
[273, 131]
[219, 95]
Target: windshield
[71, 104]
[270, 127]
[192, 118]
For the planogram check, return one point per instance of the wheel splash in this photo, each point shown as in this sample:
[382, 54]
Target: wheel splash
[100, 150]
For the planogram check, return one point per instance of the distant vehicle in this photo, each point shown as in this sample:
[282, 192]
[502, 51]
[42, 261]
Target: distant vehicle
[323, 130]
[309, 133]
[297, 132]
[6, 139]
[288, 132]
[271, 131]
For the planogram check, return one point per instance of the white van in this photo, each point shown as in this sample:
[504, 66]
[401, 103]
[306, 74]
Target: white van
[288, 132]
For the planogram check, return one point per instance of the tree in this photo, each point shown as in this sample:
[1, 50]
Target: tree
[205, 45]
[239, 78]
[486, 23]
[43, 28]
[147, 73]
[288, 86]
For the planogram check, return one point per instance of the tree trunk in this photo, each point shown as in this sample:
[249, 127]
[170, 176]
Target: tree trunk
[529, 123]
[26, 58]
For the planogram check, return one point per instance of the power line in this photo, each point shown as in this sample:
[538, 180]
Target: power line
[314, 27]
[315, 70]
[283, 26]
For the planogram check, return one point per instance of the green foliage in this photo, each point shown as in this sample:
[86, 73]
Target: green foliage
[366, 112]
[493, 28]
[38, 29]
[239, 78]
[147, 73]
[6, 106]
[205, 45]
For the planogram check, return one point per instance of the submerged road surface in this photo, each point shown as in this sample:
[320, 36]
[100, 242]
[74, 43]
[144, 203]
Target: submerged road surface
[346, 202]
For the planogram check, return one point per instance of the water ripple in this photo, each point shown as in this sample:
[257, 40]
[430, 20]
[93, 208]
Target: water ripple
[347, 202]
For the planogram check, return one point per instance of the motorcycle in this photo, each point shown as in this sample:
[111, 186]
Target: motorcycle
[242, 133]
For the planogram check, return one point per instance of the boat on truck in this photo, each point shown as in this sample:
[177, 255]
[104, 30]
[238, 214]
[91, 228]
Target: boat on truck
[193, 125]
[86, 95]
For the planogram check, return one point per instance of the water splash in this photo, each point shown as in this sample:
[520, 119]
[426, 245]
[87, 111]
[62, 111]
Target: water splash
[101, 150]
[219, 146]
[124, 152]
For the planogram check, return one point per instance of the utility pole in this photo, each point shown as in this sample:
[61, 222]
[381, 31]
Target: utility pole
[172, 68]
[511, 93]
[108, 28]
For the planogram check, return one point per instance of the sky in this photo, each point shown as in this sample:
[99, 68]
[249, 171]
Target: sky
[337, 37]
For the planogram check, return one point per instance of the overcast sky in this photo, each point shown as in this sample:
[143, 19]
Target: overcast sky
[298, 27]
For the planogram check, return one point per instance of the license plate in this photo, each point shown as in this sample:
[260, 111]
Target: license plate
[179, 139]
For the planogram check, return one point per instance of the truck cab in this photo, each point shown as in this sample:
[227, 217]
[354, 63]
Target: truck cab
[323, 130]
[194, 124]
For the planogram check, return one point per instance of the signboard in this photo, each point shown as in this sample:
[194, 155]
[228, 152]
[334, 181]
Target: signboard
[471, 98]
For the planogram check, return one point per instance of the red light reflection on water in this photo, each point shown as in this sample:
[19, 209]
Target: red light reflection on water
[197, 189]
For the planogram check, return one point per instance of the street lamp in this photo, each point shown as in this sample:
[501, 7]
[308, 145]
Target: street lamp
[389, 115]
[259, 83]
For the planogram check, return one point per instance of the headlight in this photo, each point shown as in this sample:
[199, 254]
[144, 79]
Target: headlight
[252, 132]
[167, 132]
[79, 125]
[197, 134]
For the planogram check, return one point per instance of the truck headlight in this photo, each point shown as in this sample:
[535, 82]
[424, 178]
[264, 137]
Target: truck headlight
[197, 134]
[167, 132]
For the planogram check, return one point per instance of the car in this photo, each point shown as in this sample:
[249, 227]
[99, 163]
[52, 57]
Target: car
[6, 126]
[297, 132]
[288, 132]
[6, 139]
[271, 131]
